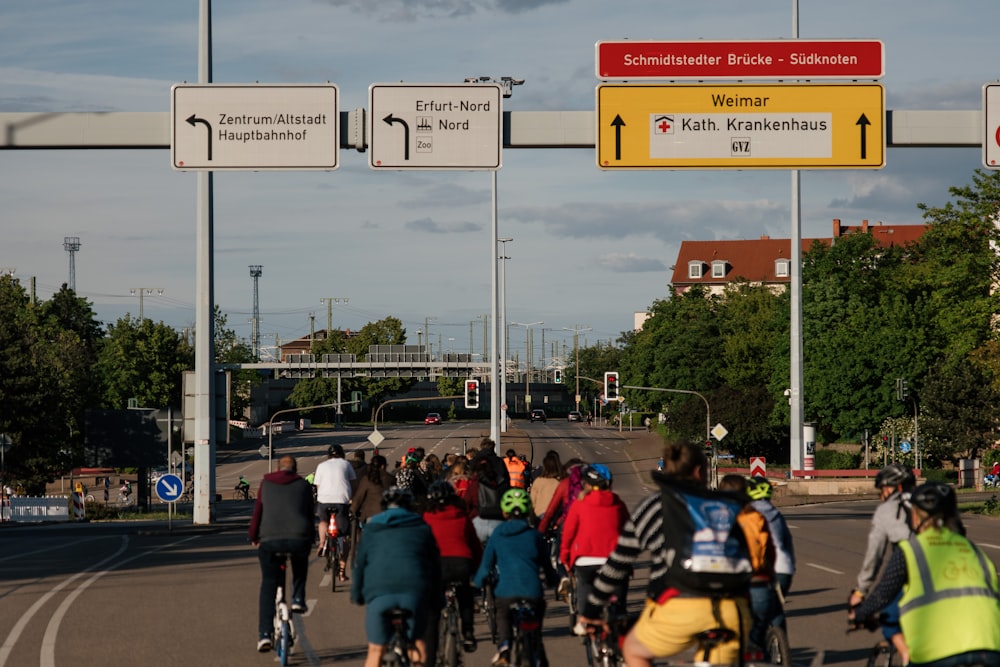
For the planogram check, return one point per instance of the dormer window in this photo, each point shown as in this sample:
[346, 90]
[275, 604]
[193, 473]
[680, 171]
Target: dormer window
[719, 268]
[781, 268]
[695, 269]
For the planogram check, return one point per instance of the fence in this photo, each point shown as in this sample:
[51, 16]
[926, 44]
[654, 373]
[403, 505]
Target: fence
[32, 509]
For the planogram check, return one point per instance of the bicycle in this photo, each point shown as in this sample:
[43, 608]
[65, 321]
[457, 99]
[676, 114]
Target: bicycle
[124, 499]
[526, 649]
[243, 494]
[603, 647]
[449, 646]
[884, 653]
[284, 630]
[776, 648]
[335, 554]
[397, 651]
[571, 600]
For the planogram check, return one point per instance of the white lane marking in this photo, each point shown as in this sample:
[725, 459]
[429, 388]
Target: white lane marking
[47, 657]
[15, 633]
[825, 569]
[989, 546]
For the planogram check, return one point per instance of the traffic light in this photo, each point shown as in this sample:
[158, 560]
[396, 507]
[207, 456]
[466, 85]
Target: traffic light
[558, 376]
[611, 386]
[709, 451]
[902, 391]
[472, 394]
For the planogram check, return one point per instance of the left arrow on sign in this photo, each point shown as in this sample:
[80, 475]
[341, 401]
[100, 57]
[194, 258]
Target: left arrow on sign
[389, 120]
[192, 120]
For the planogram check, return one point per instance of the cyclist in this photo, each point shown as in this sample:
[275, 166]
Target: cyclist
[243, 487]
[126, 489]
[890, 526]
[543, 487]
[516, 552]
[397, 565]
[367, 499]
[516, 469]
[461, 552]
[590, 533]
[686, 596]
[760, 491]
[334, 483]
[763, 598]
[950, 604]
[282, 523]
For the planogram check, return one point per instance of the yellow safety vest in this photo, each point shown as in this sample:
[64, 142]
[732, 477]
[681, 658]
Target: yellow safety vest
[950, 603]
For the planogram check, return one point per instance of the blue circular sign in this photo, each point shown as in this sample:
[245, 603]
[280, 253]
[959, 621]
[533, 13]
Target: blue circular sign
[904, 447]
[169, 488]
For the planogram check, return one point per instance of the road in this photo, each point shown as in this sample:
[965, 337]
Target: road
[121, 594]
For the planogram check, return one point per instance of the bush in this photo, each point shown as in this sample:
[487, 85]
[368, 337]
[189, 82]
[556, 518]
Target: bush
[938, 475]
[834, 460]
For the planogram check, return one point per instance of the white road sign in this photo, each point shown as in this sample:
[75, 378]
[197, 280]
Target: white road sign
[991, 112]
[435, 126]
[259, 127]
[719, 432]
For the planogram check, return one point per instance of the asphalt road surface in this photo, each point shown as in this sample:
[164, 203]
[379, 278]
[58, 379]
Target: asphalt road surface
[126, 594]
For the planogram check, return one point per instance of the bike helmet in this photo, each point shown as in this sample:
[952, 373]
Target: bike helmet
[396, 496]
[935, 498]
[758, 488]
[515, 502]
[597, 474]
[895, 474]
[336, 451]
[440, 492]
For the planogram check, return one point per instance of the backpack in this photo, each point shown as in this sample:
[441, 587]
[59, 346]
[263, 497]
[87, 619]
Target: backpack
[705, 549]
[489, 499]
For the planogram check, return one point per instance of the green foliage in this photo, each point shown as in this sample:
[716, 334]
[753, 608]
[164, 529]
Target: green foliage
[829, 459]
[450, 386]
[144, 360]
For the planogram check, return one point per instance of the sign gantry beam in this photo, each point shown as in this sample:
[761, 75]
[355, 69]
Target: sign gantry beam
[522, 129]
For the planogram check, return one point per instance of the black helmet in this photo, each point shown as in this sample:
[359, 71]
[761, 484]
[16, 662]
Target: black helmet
[336, 451]
[935, 498]
[396, 496]
[895, 474]
[440, 492]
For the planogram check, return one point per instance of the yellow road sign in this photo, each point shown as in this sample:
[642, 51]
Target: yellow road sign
[741, 126]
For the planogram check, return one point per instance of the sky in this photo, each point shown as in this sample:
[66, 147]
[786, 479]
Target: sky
[590, 247]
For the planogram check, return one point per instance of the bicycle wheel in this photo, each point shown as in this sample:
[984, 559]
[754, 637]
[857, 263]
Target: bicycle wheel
[776, 648]
[490, 611]
[450, 654]
[571, 601]
[332, 564]
[883, 655]
[284, 642]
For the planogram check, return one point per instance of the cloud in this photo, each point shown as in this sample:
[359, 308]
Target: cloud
[433, 227]
[408, 10]
[630, 263]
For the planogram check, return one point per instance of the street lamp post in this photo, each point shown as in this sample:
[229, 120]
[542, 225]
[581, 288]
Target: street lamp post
[502, 326]
[145, 291]
[527, 362]
[507, 84]
[576, 352]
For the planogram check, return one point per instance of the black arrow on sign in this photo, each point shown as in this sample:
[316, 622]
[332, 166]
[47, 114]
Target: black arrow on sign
[864, 123]
[389, 120]
[192, 119]
[618, 124]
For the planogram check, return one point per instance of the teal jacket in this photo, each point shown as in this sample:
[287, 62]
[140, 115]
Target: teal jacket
[518, 552]
[397, 553]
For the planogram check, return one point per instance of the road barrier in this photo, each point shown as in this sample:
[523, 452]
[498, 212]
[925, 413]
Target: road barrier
[37, 508]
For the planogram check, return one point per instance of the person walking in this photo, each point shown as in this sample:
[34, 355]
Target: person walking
[282, 522]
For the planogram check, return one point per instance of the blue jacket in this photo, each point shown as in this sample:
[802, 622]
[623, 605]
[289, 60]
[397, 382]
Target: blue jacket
[518, 552]
[397, 553]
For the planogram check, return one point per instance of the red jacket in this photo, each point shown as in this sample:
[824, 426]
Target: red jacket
[454, 533]
[592, 526]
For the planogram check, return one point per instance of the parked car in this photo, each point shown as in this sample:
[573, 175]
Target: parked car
[432, 418]
[538, 415]
[574, 416]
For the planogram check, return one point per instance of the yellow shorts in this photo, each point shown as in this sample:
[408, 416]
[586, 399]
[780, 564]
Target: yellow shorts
[672, 627]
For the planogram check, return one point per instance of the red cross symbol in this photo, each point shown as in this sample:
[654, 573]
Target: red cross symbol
[664, 126]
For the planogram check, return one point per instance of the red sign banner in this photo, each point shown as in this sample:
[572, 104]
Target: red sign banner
[772, 59]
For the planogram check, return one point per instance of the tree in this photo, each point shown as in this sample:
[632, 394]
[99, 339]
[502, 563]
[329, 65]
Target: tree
[231, 349]
[387, 331]
[958, 404]
[143, 360]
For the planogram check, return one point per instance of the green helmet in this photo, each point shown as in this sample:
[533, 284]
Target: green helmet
[516, 502]
[758, 488]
